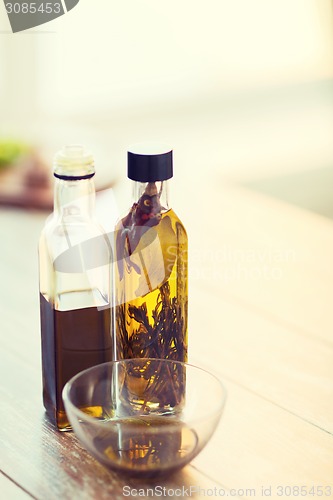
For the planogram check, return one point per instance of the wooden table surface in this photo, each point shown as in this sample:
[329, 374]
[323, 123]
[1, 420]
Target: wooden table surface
[261, 317]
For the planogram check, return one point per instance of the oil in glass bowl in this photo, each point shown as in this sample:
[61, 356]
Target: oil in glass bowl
[136, 432]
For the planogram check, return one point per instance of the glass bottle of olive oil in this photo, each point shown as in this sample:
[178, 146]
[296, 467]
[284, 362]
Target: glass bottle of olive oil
[151, 278]
[75, 282]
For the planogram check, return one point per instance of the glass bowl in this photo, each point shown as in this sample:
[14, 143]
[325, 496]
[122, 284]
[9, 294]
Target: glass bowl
[144, 417]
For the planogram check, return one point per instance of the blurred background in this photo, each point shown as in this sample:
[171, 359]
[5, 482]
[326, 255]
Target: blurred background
[243, 90]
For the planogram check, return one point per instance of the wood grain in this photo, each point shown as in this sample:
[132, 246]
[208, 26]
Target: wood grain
[259, 444]
[11, 491]
[268, 255]
[292, 370]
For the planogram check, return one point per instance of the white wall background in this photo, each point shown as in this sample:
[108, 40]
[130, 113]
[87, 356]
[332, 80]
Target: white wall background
[139, 53]
[237, 85]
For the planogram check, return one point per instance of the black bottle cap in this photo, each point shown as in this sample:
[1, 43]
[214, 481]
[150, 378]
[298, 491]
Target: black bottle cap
[149, 163]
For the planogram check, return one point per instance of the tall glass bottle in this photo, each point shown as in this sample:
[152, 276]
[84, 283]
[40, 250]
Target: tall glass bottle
[75, 282]
[151, 275]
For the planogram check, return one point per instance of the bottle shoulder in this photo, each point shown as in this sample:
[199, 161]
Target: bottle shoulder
[175, 220]
[172, 214]
[58, 236]
[125, 220]
[59, 225]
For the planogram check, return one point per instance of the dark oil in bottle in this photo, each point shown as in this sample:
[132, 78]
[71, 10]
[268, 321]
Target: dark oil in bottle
[72, 341]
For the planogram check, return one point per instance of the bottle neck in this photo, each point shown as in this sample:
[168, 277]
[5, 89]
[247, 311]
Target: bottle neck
[74, 198]
[157, 188]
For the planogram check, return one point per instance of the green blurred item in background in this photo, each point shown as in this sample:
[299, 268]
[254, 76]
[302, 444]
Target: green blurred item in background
[25, 180]
[11, 151]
